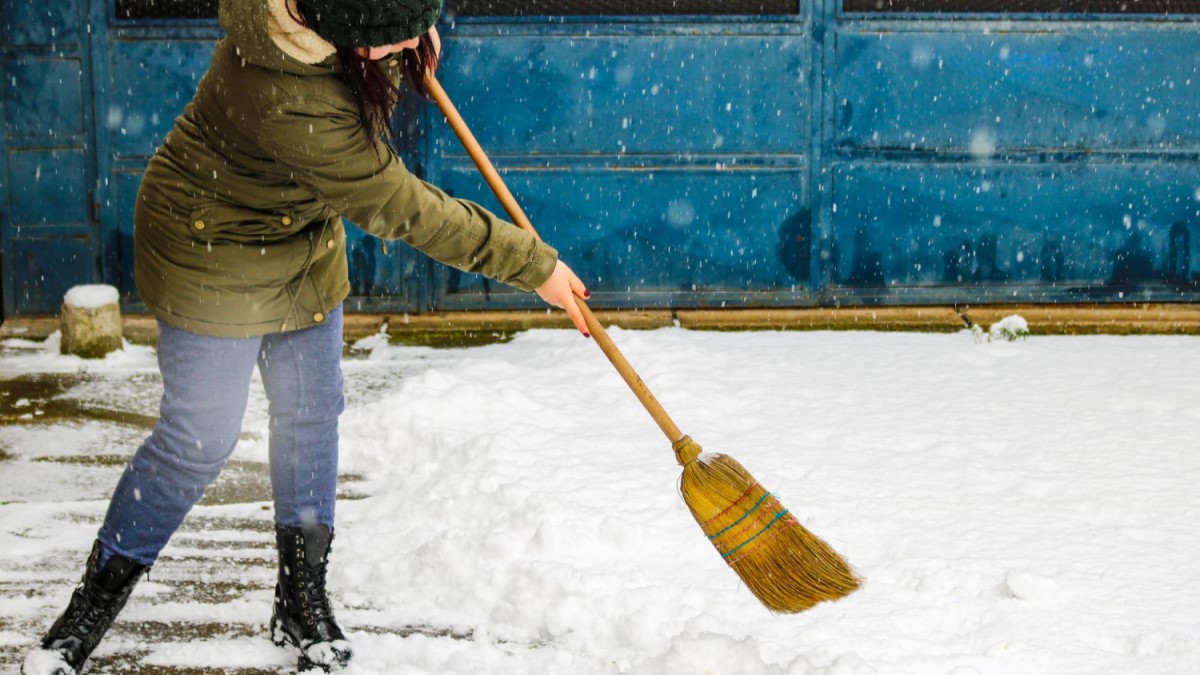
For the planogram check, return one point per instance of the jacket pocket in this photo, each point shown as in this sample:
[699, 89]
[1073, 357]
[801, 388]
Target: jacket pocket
[221, 222]
[246, 248]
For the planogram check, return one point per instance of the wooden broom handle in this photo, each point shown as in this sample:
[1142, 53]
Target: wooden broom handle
[518, 216]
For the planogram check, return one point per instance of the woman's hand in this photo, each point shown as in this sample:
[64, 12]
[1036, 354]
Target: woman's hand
[560, 290]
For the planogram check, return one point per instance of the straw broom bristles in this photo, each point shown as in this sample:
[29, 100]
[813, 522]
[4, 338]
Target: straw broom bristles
[787, 567]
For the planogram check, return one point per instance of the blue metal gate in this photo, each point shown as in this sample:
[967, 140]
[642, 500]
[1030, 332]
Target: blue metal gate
[47, 241]
[669, 158]
[872, 151]
[994, 159]
[692, 153]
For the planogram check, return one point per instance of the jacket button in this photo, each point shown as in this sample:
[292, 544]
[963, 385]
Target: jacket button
[286, 220]
[318, 317]
[329, 244]
[199, 224]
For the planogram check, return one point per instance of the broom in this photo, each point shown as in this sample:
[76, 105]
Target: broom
[786, 567]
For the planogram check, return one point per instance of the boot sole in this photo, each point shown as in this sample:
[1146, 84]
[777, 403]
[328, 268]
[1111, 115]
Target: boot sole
[283, 639]
[280, 637]
[304, 664]
[60, 668]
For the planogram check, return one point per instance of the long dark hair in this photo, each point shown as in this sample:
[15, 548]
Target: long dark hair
[375, 94]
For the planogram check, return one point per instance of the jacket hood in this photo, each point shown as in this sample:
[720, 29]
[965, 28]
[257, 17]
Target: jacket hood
[267, 35]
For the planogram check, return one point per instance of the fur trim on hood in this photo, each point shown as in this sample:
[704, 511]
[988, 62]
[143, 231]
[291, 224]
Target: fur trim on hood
[266, 34]
[297, 41]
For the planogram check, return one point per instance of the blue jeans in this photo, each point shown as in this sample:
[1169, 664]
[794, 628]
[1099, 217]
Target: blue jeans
[206, 384]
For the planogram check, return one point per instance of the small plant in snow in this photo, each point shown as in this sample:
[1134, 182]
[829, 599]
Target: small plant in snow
[1011, 329]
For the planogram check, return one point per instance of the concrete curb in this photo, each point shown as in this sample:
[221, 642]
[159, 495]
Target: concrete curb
[491, 326]
[1132, 319]
[921, 319]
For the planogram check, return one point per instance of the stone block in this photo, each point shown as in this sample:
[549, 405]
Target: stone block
[91, 321]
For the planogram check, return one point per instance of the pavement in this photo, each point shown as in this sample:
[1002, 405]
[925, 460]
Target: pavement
[65, 438]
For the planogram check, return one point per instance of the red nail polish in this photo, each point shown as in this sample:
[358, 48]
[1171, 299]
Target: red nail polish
[587, 335]
[587, 294]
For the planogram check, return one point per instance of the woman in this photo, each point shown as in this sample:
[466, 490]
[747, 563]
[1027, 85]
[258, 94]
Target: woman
[240, 253]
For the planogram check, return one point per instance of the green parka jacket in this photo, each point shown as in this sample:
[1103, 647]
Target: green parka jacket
[238, 229]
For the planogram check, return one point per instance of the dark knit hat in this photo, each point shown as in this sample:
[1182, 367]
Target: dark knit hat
[369, 23]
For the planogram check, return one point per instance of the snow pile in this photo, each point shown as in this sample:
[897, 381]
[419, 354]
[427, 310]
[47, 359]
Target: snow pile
[45, 661]
[1013, 511]
[1011, 328]
[19, 355]
[524, 498]
[91, 296]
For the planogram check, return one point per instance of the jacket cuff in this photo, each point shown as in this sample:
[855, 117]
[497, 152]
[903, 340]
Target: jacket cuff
[538, 269]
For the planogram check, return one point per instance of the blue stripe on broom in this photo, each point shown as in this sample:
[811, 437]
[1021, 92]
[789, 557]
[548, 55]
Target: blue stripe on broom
[779, 515]
[744, 516]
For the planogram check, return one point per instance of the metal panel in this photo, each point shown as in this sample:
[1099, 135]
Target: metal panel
[44, 96]
[149, 84]
[650, 236]
[980, 93]
[1017, 232]
[165, 9]
[53, 188]
[1030, 160]
[38, 22]
[385, 277]
[47, 240]
[667, 163]
[1026, 6]
[43, 269]
[117, 242]
[623, 94]
[460, 8]
[781, 153]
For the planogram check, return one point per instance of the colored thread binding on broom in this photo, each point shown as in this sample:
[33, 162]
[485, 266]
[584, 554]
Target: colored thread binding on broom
[771, 514]
[784, 565]
[788, 523]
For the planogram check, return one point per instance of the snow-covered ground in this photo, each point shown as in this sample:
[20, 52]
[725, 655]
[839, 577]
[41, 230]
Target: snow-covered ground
[1015, 508]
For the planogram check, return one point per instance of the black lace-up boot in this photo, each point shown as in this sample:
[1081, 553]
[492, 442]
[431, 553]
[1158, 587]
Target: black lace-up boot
[302, 616]
[94, 605]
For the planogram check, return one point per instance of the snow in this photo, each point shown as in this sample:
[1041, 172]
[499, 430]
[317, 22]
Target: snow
[42, 661]
[46, 357]
[1012, 327]
[1016, 508]
[91, 296]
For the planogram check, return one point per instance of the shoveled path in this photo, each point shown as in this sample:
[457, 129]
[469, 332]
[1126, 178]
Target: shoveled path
[64, 440]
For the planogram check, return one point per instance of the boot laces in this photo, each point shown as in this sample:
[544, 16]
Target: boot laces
[91, 614]
[312, 592]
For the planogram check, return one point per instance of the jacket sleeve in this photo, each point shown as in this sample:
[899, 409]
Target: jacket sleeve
[330, 154]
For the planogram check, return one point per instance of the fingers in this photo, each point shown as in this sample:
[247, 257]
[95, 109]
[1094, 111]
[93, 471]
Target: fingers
[561, 290]
[573, 280]
[578, 288]
[576, 316]
[575, 284]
